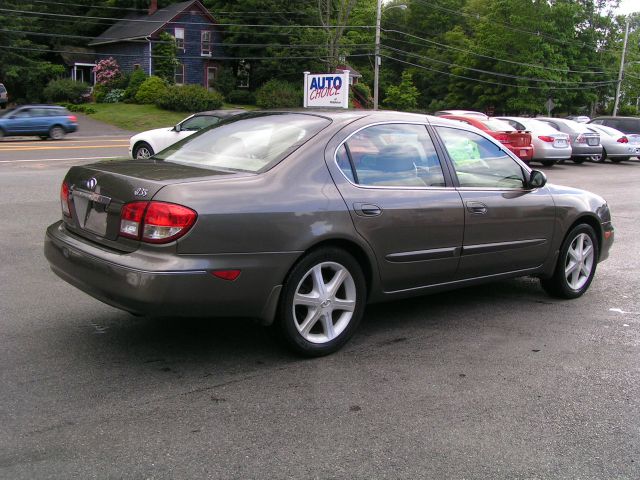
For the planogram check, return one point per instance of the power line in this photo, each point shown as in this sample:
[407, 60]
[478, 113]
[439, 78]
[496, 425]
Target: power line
[497, 74]
[487, 81]
[162, 22]
[222, 44]
[213, 57]
[450, 47]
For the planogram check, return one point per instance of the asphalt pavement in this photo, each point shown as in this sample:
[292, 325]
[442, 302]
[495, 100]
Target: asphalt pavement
[490, 382]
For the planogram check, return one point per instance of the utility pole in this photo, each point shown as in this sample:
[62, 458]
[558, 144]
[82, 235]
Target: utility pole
[376, 67]
[621, 72]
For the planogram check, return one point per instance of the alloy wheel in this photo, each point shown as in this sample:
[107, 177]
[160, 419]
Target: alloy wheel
[324, 302]
[579, 261]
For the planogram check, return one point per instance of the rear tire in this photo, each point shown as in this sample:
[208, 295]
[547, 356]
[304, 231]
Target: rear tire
[578, 160]
[548, 163]
[57, 132]
[142, 150]
[576, 264]
[1, 134]
[322, 302]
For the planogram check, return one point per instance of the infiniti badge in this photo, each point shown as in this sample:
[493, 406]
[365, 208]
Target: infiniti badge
[91, 183]
[140, 192]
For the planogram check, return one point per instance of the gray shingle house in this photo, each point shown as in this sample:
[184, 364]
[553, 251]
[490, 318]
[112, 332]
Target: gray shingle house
[131, 40]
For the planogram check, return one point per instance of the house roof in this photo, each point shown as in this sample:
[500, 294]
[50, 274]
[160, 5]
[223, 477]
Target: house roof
[353, 73]
[139, 26]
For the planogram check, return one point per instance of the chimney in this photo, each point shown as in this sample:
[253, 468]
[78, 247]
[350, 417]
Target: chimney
[153, 7]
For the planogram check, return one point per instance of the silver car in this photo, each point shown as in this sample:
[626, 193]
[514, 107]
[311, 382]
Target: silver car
[300, 219]
[615, 144]
[549, 145]
[585, 144]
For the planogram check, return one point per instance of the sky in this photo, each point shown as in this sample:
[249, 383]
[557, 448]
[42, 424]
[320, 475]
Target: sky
[628, 6]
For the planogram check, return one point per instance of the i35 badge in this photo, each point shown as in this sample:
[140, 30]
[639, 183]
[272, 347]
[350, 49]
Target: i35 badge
[140, 192]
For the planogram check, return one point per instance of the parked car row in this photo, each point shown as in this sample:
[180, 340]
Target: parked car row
[549, 140]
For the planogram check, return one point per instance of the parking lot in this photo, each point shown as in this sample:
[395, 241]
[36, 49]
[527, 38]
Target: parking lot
[492, 382]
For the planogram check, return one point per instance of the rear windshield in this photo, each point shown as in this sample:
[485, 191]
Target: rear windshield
[540, 127]
[498, 125]
[248, 143]
[578, 127]
[2, 89]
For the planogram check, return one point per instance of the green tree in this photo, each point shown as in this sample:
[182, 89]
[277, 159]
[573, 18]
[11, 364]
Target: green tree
[403, 96]
[165, 60]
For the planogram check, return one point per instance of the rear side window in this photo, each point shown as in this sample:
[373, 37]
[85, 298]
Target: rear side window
[394, 155]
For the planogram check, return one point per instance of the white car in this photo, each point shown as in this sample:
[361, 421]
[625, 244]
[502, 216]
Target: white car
[146, 144]
[615, 144]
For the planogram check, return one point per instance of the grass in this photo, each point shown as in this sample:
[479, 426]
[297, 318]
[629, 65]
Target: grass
[137, 118]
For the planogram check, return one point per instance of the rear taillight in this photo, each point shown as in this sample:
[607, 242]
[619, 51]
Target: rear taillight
[623, 140]
[73, 118]
[581, 139]
[502, 137]
[64, 199]
[155, 222]
[546, 138]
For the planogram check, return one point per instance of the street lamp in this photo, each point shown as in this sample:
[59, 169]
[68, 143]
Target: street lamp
[376, 67]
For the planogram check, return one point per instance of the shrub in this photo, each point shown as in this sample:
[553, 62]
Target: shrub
[65, 90]
[99, 92]
[82, 108]
[225, 81]
[242, 97]
[278, 94]
[114, 96]
[136, 79]
[151, 90]
[189, 98]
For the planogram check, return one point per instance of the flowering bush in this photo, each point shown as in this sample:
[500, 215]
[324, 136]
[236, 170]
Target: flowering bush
[107, 71]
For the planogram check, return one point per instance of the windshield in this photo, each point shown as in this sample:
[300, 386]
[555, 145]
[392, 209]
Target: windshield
[249, 143]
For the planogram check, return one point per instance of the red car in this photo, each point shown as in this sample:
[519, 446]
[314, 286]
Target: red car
[518, 142]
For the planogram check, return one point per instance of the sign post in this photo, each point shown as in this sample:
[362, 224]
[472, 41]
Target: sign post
[326, 89]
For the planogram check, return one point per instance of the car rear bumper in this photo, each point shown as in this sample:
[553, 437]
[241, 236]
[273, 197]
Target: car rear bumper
[169, 285]
[581, 151]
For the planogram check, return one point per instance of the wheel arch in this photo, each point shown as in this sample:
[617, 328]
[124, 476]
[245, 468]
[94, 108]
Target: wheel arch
[594, 223]
[140, 142]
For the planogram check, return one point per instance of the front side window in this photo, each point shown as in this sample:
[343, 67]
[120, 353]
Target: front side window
[205, 43]
[179, 36]
[478, 162]
[246, 143]
[397, 155]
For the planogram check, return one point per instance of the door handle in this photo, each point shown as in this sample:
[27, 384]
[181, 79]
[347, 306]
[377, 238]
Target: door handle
[367, 209]
[477, 208]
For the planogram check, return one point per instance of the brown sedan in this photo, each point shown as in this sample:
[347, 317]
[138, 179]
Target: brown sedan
[299, 219]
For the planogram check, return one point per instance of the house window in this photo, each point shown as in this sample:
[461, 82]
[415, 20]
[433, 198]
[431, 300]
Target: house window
[205, 43]
[179, 76]
[179, 35]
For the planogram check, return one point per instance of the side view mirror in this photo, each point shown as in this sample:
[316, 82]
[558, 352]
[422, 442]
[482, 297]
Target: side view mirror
[537, 179]
[177, 128]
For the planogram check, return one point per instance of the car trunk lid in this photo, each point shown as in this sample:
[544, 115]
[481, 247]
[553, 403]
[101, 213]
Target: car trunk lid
[97, 193]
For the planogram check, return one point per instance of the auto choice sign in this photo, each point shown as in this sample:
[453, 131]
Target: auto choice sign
[326, 89]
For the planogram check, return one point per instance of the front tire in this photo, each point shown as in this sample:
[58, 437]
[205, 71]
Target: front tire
[576, 264]
[322, 302]
[142, 150]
